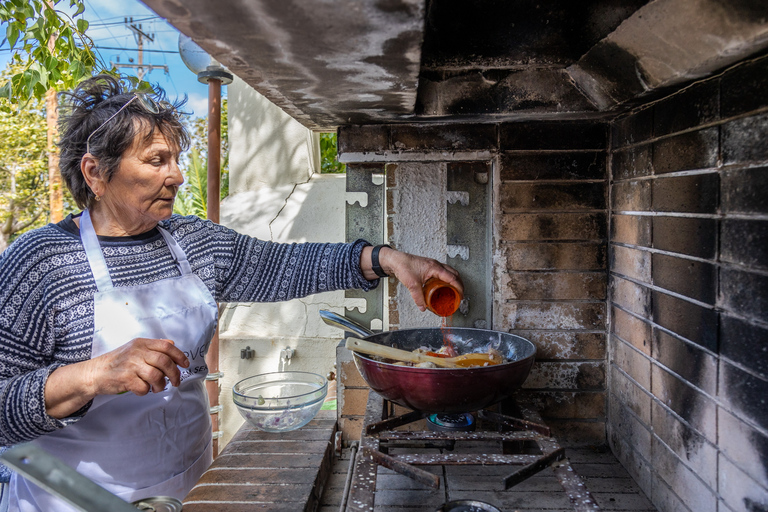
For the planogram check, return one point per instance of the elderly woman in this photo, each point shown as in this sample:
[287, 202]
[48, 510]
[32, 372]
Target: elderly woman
[105, 317]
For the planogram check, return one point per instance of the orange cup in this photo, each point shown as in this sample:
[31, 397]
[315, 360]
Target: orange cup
[442, 298]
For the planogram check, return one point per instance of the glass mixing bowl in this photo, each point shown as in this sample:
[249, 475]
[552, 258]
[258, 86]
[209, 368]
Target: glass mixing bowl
[281, 401]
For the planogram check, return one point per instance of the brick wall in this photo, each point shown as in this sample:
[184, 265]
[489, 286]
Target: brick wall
[550, 244]
[551, 280]
[688, 259]
[676, 276]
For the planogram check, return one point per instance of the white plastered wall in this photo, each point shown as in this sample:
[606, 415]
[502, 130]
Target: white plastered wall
[276, 193]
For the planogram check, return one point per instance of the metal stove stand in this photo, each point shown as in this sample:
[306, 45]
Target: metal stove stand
[525, 445]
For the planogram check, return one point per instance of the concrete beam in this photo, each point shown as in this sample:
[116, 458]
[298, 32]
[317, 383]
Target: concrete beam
[669, 42]
[324, 63]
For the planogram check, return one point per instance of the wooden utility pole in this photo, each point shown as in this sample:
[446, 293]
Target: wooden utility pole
[55, 192]
[141, 68]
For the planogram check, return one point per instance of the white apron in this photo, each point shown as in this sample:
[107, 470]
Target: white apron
[139, 446]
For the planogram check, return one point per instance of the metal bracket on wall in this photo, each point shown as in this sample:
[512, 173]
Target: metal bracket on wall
[469, 232]
[366, 221]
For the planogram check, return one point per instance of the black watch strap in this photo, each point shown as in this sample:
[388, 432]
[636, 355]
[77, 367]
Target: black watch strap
[375, 265]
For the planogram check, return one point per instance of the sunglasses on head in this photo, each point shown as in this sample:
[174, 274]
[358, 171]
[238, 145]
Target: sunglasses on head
[148, 103]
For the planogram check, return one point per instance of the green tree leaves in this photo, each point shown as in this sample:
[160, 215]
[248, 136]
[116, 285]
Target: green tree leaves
[50, 48]
[23, 170]
[329, 163]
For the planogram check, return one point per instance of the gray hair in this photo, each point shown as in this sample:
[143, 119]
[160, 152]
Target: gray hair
[93, 110]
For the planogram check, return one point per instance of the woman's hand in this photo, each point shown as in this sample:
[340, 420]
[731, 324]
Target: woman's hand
[139, 366]
[411, 270]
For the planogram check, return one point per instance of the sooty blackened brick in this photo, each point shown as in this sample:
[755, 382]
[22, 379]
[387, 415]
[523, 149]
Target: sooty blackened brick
[361, 139]
[553, 226]
[559, 196]
[694, 237]
[744, 140]
[631, 229]
[687, 360]
[743, 88]
[744, 343]
[745, 190]
[553, 135]
[691, 278]
[632, 162]
[557, 285]
[689, 403]
[743, 292]
[558, 166]
[694, 194]
[691, 321]
[688, 151]
[554, 256]
[633, 129]
[632, 195]
[456, 137]
[745, 242]
[695, 106]
[746, 393]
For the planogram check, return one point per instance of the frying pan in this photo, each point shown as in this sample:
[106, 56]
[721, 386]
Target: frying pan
[442, 390]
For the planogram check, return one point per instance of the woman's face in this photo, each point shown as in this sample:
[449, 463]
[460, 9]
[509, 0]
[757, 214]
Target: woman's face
[142, 191]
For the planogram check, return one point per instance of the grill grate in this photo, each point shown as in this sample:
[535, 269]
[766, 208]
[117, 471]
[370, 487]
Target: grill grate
[514, 441]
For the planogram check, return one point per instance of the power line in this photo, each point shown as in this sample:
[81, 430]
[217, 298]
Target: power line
[132, 49]
[104, 23]
[141, 68]
[97, 15]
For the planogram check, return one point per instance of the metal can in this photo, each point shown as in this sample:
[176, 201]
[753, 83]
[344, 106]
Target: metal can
[158, 504]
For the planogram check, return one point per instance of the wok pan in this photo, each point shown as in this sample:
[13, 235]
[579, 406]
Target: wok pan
[442, 390]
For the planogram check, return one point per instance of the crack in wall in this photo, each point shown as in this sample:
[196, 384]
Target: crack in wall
[285, 203]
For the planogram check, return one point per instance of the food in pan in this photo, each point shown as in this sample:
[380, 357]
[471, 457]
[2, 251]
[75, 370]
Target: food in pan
[444, 351]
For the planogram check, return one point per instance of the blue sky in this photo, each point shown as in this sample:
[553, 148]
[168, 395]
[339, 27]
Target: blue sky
[109, 32]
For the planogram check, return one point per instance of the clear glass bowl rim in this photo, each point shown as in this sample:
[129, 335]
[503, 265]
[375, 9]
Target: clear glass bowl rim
[266, 379]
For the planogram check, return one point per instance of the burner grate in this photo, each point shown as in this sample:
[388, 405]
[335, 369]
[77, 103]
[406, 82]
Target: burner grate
[524, 444]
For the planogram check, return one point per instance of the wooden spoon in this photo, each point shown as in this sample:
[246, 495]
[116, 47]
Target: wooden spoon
[463, 361]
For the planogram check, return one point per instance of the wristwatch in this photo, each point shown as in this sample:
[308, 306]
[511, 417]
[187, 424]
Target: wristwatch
[375, 265]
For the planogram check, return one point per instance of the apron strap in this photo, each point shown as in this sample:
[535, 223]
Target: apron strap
[93, 252]
[99, 264]
[177, 252]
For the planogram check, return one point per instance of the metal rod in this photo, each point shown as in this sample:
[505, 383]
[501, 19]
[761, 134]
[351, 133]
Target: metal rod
[391, 423]
[350, 471]
[513, 422]
[61, 480]
[531, 469]
[421, 476]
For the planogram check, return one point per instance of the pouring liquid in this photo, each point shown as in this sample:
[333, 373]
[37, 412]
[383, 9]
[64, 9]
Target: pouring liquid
[443, 300]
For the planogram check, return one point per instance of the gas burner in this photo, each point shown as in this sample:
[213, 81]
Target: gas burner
[467, 506]
[460, 422]
[525, 447]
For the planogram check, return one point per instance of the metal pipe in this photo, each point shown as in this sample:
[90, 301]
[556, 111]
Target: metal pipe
[213, 200]
[350, 470]
[214, 148]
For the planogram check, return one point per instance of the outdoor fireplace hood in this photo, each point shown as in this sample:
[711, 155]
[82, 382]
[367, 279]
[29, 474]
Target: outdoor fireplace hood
[347, 62]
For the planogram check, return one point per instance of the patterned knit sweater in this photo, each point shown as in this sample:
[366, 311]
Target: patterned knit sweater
[46, 295]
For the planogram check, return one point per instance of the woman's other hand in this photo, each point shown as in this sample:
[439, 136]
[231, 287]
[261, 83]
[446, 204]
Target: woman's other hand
[411, 270]
[139, 366]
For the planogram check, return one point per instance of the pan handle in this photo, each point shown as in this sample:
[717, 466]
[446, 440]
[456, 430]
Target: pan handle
[344, 323]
